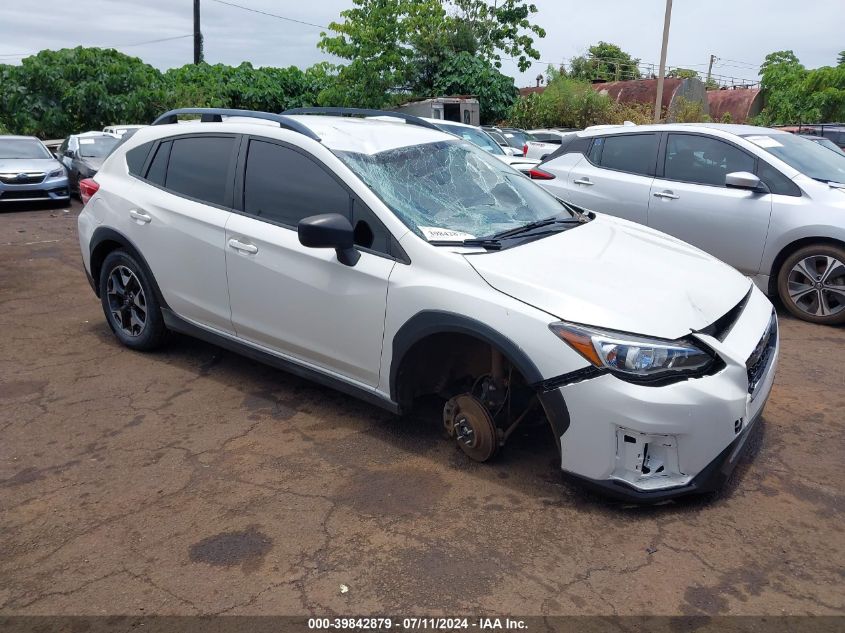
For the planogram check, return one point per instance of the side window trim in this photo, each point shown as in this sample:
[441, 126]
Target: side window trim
[228, 191]
[397, 253]
[707, 136]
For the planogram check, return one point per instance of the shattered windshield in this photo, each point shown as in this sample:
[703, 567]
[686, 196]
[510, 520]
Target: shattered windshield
[452, 190]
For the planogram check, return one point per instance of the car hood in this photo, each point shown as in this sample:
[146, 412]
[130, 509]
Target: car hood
[20, 165]
[618, 275]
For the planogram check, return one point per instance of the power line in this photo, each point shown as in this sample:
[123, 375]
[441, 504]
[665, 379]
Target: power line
[155, 41]
[272, 15]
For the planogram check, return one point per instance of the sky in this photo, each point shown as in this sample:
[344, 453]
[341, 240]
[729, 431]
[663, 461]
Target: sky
[739, 32]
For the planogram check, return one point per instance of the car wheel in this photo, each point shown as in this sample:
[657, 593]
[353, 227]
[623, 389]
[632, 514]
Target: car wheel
[811, 284]
[129, 302]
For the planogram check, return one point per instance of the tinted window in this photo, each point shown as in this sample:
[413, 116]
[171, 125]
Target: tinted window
[633, 153]
[285, 186]
[199, 167]
[158, 167]
[595, 151]
[136, 157]
[703, 160]
[776, 181]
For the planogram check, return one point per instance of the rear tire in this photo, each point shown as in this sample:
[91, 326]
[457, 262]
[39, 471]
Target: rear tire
[129, 302]
[811, 284]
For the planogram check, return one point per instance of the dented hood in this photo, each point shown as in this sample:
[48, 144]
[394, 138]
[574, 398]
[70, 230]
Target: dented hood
[618, 275]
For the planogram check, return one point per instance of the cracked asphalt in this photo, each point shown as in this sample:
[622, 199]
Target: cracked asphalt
[194, 481]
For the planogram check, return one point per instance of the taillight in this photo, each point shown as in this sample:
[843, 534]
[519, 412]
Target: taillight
[87, 188]
[525, 150]
[539, 174]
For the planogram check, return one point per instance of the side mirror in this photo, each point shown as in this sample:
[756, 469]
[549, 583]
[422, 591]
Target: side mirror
[69, 153]
[330, 230]
[743, 180]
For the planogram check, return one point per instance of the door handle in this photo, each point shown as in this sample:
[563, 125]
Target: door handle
[243, 246]
[583, 181]
[666, 194]
[143, 218]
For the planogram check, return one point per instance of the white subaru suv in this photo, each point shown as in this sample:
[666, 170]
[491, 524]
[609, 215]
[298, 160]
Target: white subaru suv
[394, 261]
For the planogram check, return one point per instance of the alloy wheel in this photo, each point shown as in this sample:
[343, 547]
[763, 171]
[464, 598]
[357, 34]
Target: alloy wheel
[816, 285]
[127, 302]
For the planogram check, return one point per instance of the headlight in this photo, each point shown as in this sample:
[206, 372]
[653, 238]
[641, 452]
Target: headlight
[635, 357]
[56, 173]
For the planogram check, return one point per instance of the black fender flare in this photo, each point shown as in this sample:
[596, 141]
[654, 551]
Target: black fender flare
[106, 234]
[429, 322]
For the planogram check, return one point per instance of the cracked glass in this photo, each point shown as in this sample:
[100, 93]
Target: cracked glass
[452, 190]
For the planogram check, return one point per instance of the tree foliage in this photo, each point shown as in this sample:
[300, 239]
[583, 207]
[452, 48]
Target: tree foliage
[399, 49]
[605, 61]
[55, 92]
[682, 73]
[794, 94]
[466, 74]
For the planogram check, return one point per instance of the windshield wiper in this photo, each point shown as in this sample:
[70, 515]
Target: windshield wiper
[494, 242]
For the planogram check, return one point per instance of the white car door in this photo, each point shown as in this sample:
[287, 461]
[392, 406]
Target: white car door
[690, 200]
[297, 301]
[614, 177]
[180, 214]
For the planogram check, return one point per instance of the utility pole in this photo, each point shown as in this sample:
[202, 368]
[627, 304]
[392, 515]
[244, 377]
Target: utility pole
[710, 70]
[658, 103]
[197, 34]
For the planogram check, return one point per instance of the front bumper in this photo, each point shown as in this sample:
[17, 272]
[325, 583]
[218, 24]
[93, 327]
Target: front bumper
[647, 443]
[49, 189]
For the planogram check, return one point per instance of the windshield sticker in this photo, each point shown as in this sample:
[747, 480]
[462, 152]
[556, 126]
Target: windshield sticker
[437, 234]
[764, 141]
[86, 141]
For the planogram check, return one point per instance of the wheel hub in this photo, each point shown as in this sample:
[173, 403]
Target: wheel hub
[468, 421]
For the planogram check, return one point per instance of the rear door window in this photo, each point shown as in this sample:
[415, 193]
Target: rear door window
[703, 160]
[199, 167]
[631, 153]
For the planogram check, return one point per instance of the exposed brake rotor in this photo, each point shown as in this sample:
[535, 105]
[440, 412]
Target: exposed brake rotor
[468, 421]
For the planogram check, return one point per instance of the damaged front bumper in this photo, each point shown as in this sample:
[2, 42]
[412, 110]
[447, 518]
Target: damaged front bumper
[646, 444]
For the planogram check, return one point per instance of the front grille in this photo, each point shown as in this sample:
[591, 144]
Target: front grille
[758, 362]
[29, 178]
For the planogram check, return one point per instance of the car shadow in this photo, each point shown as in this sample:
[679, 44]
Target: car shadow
[528, 465]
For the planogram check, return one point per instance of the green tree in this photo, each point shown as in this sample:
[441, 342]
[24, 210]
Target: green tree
[464, 73]
[782, 79]
[605, 61]
[682, 73]
[840, 61]
[399, 48]
[825, 94]
[375, 36]
[55, 93]
[244, 86]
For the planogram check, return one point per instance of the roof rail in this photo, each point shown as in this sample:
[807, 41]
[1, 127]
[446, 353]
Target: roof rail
[407, 118]
[215, 115]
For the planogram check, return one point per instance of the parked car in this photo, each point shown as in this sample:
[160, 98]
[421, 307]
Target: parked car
[833, 131]
[28, 171]
[765, 201]
[431, 267]
[515, 137]
[483, 140]
[824, 142]
[547, 141]
[501, 141]
[83, 154]
[120, 130]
